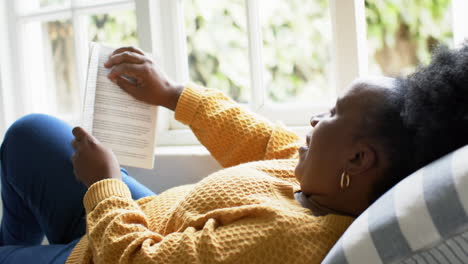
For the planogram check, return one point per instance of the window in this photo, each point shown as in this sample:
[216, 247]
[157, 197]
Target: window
[218, 46]
[254, 51]
[283, 59]
[296, 36]
[49, 60]
[51, 57]
[114, 28]
[400, 39]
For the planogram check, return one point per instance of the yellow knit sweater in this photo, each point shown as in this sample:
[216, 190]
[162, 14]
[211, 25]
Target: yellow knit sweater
[245, 213]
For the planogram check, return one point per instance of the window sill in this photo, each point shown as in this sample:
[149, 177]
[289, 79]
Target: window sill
[174, 166]
[181, 151]
[182, 140]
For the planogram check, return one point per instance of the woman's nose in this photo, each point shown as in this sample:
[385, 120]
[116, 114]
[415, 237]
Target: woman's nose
[316, 119]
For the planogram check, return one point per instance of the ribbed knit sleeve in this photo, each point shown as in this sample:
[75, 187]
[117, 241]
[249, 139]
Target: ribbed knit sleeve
[232, 133]
[104, 189]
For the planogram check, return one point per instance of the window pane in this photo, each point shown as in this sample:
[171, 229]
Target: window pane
[401, 34]
[115, 29]
[296, 39]
[217, 45]
[50, 66]
[31, 5]
[52, 2]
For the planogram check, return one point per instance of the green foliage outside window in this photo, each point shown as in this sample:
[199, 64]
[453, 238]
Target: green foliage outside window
[218, 46]
[296, 36]
[296, 40]
[403, 33]
[51, 2]
[115, 29]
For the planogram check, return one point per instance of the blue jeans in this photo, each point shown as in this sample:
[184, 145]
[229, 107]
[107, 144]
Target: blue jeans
[40, 194]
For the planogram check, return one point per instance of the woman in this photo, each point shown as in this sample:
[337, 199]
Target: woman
[274, 202]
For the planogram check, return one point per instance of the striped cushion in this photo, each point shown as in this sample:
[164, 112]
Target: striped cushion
[423, 219]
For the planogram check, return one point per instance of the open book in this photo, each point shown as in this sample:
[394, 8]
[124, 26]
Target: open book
[116, 119]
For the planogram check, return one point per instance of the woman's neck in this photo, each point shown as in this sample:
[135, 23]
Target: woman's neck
[317, 205]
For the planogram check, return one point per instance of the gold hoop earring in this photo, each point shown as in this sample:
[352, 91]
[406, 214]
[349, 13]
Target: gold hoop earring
[345, 180]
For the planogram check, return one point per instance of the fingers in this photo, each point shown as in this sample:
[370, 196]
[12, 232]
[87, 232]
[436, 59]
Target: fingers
[79, 133]
[82, 136]
[128, 54]
[131, 70]
[132, 49]
[75, 144]
[125, 57]
[129, 87]
[73, 158]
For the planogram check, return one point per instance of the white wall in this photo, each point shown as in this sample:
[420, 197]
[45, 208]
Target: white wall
[2, 108]
[7, 66]
[176, 166]
[2, 111]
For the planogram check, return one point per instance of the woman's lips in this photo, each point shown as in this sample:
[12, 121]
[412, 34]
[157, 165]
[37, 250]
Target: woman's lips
[303, 149]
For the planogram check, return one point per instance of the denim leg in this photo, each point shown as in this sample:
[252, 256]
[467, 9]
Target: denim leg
[51, 254]
[18, 226]
[40, 193]
[137, 189]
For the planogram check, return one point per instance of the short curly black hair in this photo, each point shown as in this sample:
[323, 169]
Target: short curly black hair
[425, 117]
[436, 105]
[388, 129]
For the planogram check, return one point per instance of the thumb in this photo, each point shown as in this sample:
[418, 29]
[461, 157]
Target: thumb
[83, 135]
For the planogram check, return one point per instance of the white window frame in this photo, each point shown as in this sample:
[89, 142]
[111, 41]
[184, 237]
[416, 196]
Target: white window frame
[2, 114]
[460, 20]
[19, 99]
[160, 28]
[3, 80]
[349, 60]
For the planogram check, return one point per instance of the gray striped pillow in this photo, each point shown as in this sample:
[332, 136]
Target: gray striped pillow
[423, 219]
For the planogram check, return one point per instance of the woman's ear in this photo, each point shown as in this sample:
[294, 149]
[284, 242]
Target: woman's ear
[363, 158]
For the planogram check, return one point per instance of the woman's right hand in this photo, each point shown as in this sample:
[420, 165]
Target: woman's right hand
[148, 83]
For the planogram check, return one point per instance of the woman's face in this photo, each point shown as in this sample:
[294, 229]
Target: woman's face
[332, 145]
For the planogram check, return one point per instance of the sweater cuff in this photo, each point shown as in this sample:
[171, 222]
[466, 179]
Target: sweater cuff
[188, 103]
[104, 189]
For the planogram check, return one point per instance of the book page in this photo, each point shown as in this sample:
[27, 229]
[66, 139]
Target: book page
[90, 91]
[116, 119]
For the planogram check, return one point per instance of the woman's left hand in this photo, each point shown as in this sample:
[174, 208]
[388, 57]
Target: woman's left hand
[92, 161]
